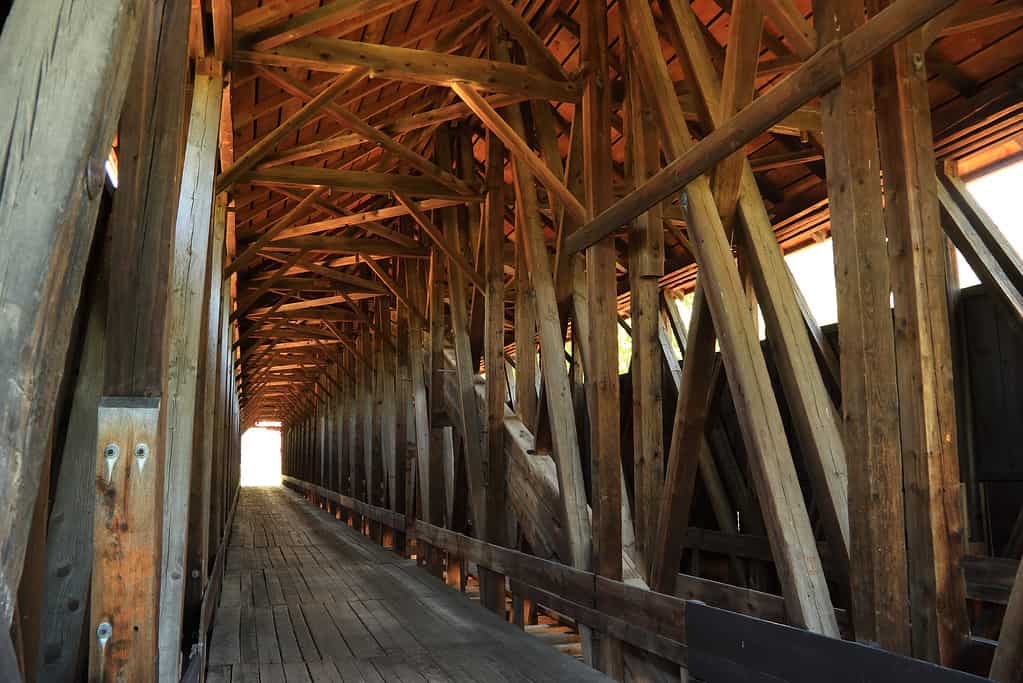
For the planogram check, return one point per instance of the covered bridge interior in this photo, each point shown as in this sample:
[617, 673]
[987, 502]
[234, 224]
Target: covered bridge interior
[510, 277]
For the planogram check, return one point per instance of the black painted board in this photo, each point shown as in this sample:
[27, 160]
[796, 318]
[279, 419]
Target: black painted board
[727, 647]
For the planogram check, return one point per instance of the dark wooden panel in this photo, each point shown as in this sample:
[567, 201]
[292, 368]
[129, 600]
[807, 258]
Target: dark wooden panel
[725, 647]
[994, 347]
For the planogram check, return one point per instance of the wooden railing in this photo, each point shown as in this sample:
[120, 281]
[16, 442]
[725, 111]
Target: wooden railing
[651, 621]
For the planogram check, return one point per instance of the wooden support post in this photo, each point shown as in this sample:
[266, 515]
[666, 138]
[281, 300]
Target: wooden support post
[127, 563]
[201, 546]
[52, 182]
[807, 598]
[813, 414]
[404, 427]
[870, 393]
[816, 76]
[492, 592]
[602, 359]
[188, 280]
[440, 429]
[646, 266]
[125, 574]
[575, 517]
[526, 399]
[69, 536]
[468, 410]
[923, 348]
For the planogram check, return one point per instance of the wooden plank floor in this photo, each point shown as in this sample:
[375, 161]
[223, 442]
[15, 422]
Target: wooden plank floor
[306, 599]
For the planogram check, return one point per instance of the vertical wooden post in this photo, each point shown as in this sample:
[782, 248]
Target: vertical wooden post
[646, 265]
[435, 474]
[201, 546]
[923, 348]
[808, 601]
[465, 399]
[602, 298]
[404, 419]
[69, 537]
[493, 589]
[870, 392]
[529, 232]
[125, 574]
[188, 278]
[133, 418]
[52, 181]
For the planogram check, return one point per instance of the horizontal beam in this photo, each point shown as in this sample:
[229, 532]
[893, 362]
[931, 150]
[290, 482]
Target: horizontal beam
[816, 76]
[318, 303]
[365, 216]
[415, 66]
[350, 181]
[351, 245]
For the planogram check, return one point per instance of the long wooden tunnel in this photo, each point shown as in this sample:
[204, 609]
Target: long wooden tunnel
[510, 277]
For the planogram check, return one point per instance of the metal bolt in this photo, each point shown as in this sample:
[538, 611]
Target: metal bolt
[141, 455]
[103, 633]
[918, 61]
[110, 453]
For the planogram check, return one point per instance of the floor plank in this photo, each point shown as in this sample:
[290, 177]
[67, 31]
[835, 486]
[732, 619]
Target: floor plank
[307, 599]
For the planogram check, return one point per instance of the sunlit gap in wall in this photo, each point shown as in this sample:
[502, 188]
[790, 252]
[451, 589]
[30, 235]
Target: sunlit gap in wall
[261, 455]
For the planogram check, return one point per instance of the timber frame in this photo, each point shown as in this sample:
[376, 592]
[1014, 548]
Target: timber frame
[410, 234]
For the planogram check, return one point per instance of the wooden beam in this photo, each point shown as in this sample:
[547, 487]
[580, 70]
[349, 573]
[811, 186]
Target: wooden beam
[315, 20]
[602, 341]
[538, 55]
[738, 87]
[981, 242]
[519, 148]
[813, 414]
[202, 543]
[315, 303]
[251, 251]
[368, 132]
[127, 538]
[793, 26]
[223, 32]
[917, 250]
[870, 394]
[468, 412]
[350, 181]
[394, 289]
[415, 66]
[442, 241]
[187, 282]
[265, 144]
[265, 286]
[53, 182]
[69, 535]
[821, 73]
[349, 245]
[573, 513]
[493, 594]
[977, 18]
[646, 266]
[800, 570]
[363, 217]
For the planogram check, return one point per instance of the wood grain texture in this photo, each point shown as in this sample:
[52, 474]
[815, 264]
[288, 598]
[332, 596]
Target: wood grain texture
[126, 540]
[64, 69]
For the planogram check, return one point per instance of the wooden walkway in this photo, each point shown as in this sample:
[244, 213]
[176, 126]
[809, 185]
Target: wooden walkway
[307, 599]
